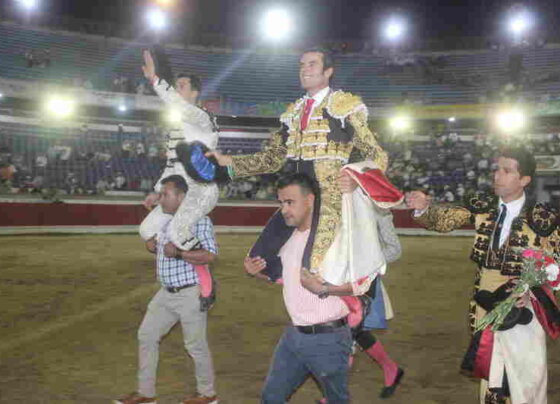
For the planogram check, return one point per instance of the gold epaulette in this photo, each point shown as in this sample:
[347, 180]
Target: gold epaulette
[543, 219]
[479, 202]
[342, 104]
[291, 110]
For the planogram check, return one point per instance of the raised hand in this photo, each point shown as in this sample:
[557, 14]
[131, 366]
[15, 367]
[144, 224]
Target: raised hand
[151, 199]
[346, 184]
[417, 200]
[149, 67]
[222, 159]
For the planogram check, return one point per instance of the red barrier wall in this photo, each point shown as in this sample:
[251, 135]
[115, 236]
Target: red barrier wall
[105, 214]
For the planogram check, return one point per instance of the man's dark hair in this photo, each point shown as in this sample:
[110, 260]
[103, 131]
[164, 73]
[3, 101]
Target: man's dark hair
[525, 160]
[196, 83]
[178, 181]
[328, 59]
[307, 184]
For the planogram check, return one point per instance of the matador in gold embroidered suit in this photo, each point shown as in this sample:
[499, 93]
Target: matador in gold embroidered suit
[511, 361]
[336, 134]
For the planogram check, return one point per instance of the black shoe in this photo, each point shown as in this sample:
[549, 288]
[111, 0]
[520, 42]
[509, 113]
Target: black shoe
[388, 391]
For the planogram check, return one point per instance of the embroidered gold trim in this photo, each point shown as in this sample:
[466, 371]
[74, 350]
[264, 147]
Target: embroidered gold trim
[326, 172]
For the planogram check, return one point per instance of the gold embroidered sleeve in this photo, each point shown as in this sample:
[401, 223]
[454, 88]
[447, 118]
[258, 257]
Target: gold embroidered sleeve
[270, 160]
[366, 141]
[444, 219]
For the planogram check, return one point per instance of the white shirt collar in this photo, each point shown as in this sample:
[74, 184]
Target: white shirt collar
[320, 96]
[514, 207]
[513, 210]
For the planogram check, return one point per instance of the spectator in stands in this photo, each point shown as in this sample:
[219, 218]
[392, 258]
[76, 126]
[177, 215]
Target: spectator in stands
[29, 58]
[7, 172]
[41, 161]
[37, 184]
[145, 184]
[126, 151]
[153, 151]
[101, 186]
[65, 152]
[141, 87]
[116, 84]
[110, 183]
[102, 155]
[120, 181]
[140, 149]
[261, 193]
[47, 58]
[71, 183]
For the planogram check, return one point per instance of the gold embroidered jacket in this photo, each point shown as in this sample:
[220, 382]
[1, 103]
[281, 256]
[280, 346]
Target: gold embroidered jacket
[337, 133]
[536, 227]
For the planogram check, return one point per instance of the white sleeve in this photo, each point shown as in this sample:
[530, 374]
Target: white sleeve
[189, 112]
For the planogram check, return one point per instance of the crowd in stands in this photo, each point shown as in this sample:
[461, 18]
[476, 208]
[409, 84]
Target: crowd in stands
[94, 163]
[37, 58]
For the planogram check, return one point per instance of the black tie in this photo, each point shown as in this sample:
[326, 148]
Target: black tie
[499, 225]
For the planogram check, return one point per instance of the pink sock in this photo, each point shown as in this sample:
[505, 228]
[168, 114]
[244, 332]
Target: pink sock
[355, 307]
[390, 368]
[350, 360]
[204, 280]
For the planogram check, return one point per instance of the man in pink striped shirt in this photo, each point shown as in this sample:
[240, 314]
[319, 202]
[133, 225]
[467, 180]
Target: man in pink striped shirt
[319, 341]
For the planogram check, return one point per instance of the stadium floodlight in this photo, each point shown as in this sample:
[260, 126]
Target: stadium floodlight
[452, 119]
[60, 107]
[164, 3]
[28, 4]
[394, 29]
[122, 108]
[511, 120]
[157, 19]
[173, 116]
[520, 22]
[400, 123]
[277, 24]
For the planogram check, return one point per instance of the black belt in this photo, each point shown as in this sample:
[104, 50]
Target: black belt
[175, 289]
[322, 328]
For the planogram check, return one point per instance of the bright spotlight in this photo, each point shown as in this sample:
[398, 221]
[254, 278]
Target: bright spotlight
[60, 107]
[122, 108]
[157, 19]
[452, 119]
[174, 116]
[400, 123]
[277, 24]
[164, 3]
[28, 4]
[394, 29]
[512, 120]
[520, 23]
[1, 95]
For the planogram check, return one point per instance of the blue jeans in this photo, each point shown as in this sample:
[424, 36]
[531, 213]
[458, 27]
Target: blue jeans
[298, 355]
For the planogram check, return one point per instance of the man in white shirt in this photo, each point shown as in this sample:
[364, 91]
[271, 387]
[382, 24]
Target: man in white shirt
[196, 126]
